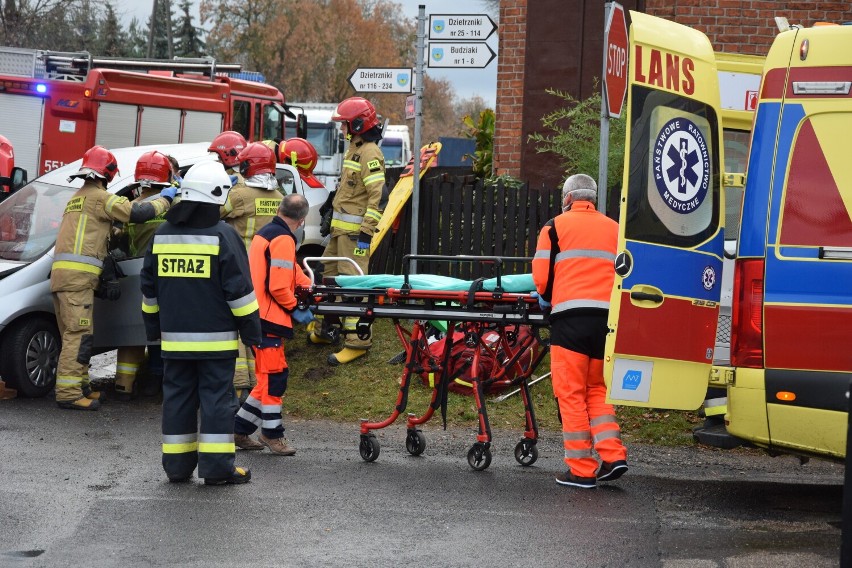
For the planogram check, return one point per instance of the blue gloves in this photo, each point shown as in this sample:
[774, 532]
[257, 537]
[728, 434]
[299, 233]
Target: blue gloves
[363, 244]
[542, 303]
[302, 316]
[169, 193]
[234, 180]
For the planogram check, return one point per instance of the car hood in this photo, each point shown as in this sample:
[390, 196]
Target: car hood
[7, 267]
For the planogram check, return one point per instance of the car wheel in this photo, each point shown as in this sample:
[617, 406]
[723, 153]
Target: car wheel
[30, 352]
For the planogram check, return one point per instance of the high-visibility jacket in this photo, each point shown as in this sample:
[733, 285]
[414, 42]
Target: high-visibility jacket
[573, 267]
[247, 209]
[197, 292]
[357, 201]
[81, 244]
[275, 275]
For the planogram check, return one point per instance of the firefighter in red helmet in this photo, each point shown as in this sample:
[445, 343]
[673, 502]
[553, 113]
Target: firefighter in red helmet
[356, 212]
[154, 171]
[78, 260]
[251, 204]
[301, 154]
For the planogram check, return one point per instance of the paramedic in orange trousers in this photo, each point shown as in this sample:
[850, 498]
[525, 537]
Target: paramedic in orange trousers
[573, 270]
[275, 275]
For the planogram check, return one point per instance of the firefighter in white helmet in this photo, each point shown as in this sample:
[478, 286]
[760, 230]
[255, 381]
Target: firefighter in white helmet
[198, 299]
[78, 261]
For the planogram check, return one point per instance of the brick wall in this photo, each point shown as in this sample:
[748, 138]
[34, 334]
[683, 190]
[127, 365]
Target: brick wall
[510, 87]
[738, 26]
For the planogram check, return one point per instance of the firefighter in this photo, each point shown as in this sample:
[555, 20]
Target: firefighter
[356, 212]
[81, 247]
[7, 164]
[573, 270]
[154, 171]
[197, 298]
[275, 274]
[302, 155]
[251, 204]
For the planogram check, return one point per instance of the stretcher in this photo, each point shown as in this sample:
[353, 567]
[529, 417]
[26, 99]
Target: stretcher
[497, 319]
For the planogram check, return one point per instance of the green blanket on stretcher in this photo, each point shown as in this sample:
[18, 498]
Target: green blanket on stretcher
[517, 283]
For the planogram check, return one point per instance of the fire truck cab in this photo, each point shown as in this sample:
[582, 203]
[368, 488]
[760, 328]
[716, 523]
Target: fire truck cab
[790, 365]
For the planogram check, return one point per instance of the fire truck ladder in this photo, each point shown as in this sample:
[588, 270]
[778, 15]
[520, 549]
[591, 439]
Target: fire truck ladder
[76, 65]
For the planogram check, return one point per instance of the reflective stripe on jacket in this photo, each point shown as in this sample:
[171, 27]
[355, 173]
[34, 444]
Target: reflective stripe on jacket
[362, 182]
[197, 295]
[579, 262]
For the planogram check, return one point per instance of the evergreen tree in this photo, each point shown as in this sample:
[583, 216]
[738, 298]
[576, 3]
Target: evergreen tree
[188, 40]
[164, 28]
[113, 39]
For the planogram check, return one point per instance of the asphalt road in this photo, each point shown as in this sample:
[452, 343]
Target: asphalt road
[87, 489]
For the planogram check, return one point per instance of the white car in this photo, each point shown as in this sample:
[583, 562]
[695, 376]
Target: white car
[29, 223]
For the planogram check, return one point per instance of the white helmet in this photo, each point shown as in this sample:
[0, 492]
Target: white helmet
[206, 182]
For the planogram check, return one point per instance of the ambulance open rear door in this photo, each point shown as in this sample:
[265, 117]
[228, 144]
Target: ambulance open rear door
[665, 300]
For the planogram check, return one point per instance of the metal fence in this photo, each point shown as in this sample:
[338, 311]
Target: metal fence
[459, 215]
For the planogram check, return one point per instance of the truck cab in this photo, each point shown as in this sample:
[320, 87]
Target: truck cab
[326, 136]
[790, 367]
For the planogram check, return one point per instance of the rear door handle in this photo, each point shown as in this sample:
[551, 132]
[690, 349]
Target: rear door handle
[646, 296]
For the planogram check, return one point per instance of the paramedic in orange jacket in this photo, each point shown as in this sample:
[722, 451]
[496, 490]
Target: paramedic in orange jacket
[574, 271]
[275, 275]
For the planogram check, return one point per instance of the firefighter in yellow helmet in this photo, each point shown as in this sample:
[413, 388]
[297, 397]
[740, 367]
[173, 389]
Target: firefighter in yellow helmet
[154, 171]
[81, 247]
[356, 212]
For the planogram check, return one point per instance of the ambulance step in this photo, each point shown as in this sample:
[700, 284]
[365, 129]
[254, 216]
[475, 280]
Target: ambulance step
[717, 437]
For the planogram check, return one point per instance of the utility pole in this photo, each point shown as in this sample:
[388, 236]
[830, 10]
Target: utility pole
[152, 25]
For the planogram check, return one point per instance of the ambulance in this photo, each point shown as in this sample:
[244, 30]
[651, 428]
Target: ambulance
[790, 362]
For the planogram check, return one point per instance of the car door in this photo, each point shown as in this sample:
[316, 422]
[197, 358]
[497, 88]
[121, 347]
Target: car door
[665, 300]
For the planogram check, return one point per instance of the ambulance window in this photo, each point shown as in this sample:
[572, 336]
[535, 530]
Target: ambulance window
[241, 117]
[673, 186]
[816, 201]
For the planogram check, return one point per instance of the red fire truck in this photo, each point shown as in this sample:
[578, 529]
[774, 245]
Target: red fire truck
[54, 106]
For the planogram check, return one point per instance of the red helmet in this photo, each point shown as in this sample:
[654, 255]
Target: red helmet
[98, 161]
[154, 167]
[6, 150]
[301, 154]
[358, 113]
[227, 145]
[256, 158]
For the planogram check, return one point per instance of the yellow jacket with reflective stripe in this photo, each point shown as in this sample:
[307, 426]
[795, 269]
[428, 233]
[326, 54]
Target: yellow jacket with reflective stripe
[141, 234]
[248, 209]
[362, 181]
[81, 244]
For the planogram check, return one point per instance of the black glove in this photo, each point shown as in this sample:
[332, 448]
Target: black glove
[108, 290]
[363, 244]
[325, 223]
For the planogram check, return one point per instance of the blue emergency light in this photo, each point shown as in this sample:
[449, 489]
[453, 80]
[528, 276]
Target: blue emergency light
[41, 88]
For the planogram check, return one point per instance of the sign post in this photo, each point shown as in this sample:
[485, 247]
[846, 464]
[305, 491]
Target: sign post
[614, 86]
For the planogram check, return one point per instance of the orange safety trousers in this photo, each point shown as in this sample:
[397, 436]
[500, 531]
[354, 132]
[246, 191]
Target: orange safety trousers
[262, 408]
[587, 419]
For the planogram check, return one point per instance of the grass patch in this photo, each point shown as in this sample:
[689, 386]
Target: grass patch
[367, 388]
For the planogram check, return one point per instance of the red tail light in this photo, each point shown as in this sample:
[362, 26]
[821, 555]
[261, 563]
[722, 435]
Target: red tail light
[747, 314]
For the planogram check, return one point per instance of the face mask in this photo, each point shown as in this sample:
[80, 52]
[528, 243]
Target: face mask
[300, 236]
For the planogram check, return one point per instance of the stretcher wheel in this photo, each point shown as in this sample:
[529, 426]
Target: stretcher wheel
[415, 442]
[479, 456]
[526, 452]
[369, 448]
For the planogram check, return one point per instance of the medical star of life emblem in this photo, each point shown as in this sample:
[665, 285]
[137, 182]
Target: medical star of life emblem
[681, 164]
[708, 278]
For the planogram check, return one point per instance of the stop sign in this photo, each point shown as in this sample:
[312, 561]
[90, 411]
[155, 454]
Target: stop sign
[615, 77]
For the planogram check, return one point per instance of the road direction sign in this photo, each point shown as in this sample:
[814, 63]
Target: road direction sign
[460, 27]
[470, 54]
[615, 78]
[382, 80]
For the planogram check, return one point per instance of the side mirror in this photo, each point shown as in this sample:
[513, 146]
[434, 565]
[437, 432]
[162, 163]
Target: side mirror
[19, 178]
[302, 126]
[341, 144]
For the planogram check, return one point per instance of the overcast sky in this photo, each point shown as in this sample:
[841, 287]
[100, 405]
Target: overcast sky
[467, 82]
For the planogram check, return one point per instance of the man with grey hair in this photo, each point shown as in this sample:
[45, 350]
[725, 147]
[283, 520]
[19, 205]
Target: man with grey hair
[275, 275]
[573, 272]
